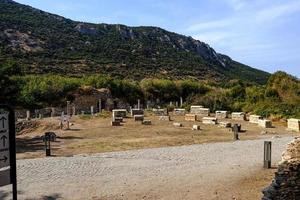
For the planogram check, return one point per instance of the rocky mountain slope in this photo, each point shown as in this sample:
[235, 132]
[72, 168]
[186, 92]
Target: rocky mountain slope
[45, 43]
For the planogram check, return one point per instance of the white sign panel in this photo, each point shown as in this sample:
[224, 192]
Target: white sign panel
[3, 122]
[4, 159]
[5, 177]
[4, 141]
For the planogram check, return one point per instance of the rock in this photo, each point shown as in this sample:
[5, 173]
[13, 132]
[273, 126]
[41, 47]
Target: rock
[177, 124]
[196, 127]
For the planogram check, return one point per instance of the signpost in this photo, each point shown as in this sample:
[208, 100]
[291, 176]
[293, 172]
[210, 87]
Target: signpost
[8, 169]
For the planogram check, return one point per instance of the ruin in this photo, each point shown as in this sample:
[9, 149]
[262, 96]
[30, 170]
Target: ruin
[239, 116]
[158, 112]
[222, 114]
[200, 111]
[255, 119]
[225, 124]
[196, 127]
[164, 118]
[117, 119]
[179, 111]
[265, 123]
[190, 117]
[146, 122]
[294, 125]
[209, 120]
[176, 124]
[119, 113]
[138, 117]
[115, 123]
[285, 184]
[136, 112]
[87, 96]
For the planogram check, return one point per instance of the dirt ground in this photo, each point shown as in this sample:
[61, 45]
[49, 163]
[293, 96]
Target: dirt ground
[88, 135]
[95, 135]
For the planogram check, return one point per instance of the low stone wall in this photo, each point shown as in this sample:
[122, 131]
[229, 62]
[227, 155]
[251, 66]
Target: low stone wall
[286, 184]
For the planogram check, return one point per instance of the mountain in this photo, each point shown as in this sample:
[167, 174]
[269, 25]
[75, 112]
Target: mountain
[46, 43]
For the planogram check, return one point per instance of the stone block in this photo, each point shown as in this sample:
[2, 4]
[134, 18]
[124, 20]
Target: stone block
[176, 124]
[164, 118]
[222, 114]
[146, 122]
[265, 123]
[137, 112]
[196, 127]
[200, 111]
[138, 117]
[209, 120]
[178, 111]
[118, 119]
[238, 116]
[119, 113]
[225, 124]
[294, 125]
[255, 119]
[158, 112]
[190, 117]
[114, 123]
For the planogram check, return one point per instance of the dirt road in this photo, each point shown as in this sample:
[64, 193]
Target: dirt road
[188, 172]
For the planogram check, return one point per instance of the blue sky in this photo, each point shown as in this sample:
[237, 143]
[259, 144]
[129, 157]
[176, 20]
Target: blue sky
[264, 34]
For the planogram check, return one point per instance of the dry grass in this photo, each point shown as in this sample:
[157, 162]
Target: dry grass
[95, 135]
[249, 187]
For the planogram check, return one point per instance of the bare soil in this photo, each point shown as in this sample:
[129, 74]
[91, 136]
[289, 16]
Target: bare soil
[89, 135]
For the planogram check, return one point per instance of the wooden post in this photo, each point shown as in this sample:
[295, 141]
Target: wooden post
[267, 154]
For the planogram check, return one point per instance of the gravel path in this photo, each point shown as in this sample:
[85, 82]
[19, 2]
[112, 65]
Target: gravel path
[183, 172]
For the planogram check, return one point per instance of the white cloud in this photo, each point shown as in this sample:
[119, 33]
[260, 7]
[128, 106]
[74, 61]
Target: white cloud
[247, 26]
[274, 12]
[236, 4]
[216, 24]
[211, 37]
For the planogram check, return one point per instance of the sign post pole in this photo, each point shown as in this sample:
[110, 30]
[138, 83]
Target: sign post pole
[8, 148]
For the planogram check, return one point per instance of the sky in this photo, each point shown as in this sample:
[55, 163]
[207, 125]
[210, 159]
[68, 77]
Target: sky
[264, 34]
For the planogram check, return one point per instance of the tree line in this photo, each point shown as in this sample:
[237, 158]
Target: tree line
[279, 98]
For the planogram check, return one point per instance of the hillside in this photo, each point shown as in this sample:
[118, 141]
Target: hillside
[45, 43]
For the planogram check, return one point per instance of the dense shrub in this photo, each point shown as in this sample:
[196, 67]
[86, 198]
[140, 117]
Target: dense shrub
[280, 97]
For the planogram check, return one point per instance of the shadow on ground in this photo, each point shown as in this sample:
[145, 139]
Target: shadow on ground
[29, 145]
[68, 137]
[4, 195]
[51, 197]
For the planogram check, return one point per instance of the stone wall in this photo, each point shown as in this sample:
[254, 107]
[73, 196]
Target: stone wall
[286, 184]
